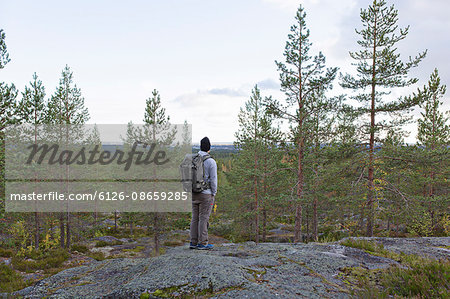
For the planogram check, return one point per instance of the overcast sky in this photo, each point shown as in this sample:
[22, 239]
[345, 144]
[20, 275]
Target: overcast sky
[203, 57]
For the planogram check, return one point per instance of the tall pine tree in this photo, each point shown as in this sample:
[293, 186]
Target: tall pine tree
[32, 110]
[379, 70]
[434, 136]
[301, 75]
[254, 140]
[433, 129]
[66, 107]
[157, 130]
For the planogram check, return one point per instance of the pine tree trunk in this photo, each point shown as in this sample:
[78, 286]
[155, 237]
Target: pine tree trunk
[298, 209]
[315, 224]
[298, 223]
[36, 216]
[115, 220]
[256, 201]
[370, 195]
[264, 234]
[156, 229]
[61, 230]
[36, 230]
[68, 231]
[131, 227]
[264, 200]
[307, 225]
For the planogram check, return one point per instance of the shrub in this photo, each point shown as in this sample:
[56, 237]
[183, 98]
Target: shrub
[424, 279]
[10, 281]
[104, 243]
[98, 256]
[80, 248]
[182, 223]
[6, 252]
[418, 277]
[420, 224]
[51, 259]
[369, 246]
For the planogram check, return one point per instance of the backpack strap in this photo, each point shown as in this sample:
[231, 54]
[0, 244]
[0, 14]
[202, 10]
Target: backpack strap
[204, 158]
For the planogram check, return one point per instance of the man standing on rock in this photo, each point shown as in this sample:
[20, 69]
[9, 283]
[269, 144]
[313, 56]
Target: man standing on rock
[203, 202]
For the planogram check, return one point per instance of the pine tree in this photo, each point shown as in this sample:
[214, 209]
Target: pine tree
[157, 130]
[8, 108]
[320, 126]
[8, 105]
[129, 218]
[186, 134]
[301, 75]
[433, 130]
[93, 139]
[251, 149]
[434, 136]
[32, 106]
[8, 94]
[4, 56]
[66, 107]
[252, 175]
[379, 66]
[32, 110]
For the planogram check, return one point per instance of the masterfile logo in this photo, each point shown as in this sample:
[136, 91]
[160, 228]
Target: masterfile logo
[129, 168]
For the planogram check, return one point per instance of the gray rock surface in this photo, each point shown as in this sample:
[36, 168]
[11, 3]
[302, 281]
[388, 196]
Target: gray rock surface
[109, 239]
[244, 270]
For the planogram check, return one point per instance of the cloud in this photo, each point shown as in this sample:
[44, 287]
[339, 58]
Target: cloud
[268, 83]
[212, 112]
[226, 91]
[290, 4]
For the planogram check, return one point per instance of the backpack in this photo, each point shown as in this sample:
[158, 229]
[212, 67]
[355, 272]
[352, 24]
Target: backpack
[192, 173]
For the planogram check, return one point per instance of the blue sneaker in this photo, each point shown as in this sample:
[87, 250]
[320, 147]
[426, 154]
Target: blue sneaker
[192, 246]
[205, 247]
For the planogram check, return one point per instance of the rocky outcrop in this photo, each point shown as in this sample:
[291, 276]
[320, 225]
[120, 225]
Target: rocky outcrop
[229, 271]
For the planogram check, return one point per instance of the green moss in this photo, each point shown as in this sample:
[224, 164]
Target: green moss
[161, 251]
[167, 292]
[99, 256]
[136, 249]
[80, 248]
[173, 243]
[144, 296]
[104, 243]
[257, 274]
[187, 291]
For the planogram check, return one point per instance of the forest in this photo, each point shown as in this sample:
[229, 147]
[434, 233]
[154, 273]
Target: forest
[311, 166]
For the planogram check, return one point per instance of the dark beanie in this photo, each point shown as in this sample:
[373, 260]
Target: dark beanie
[205, 145]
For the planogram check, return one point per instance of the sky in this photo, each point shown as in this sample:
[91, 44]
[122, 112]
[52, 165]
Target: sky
[204, 57]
